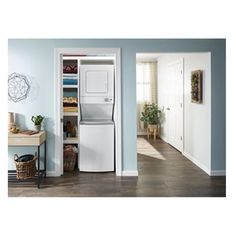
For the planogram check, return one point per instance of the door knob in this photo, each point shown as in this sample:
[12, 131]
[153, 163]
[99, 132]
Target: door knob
[107, 99]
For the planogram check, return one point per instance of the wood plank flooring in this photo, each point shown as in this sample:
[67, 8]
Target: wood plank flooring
[170, 176]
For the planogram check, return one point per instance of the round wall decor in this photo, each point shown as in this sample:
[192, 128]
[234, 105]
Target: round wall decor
[18, 87]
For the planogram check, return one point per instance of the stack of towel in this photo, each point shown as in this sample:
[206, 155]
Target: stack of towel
[70, 104]
[70, 79]
[72, 68]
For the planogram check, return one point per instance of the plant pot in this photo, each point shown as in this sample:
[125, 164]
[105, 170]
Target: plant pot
[152, 127]
[37, 127]
[153, 130]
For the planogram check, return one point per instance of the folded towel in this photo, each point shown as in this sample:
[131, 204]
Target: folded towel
[65, 77]
[70, 109]
[70, 102]
[70, 99]
[70, 69]
[70, 75]
[69, 82]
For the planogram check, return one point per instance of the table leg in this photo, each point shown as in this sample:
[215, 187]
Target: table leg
[45, 158]
[38, 166]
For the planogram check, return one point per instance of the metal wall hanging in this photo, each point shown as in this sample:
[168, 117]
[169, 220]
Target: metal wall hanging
[196, 86]
[18, 87]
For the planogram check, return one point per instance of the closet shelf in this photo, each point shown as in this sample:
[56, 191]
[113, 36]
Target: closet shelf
[70, 86]
[70, 113]
[74, 140]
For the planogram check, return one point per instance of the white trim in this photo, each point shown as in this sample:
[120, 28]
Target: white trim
[209, 91]
[58, 52]
[104, 58]
[204, 168]
[163, 138]
[218, 173]
[129, 173]
[58, 111]
[118, 112]
[183, 104]
[197, 163]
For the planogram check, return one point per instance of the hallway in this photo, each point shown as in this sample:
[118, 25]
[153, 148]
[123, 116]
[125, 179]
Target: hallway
[171, 175]
[176, 175]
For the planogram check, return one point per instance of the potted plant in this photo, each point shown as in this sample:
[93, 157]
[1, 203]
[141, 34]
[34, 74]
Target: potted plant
[151, 116]
[37, 120]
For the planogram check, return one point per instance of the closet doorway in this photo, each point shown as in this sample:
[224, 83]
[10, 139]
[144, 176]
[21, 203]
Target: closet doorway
[59, 53]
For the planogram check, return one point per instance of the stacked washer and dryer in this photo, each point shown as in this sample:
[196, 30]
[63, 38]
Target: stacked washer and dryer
[97, 131]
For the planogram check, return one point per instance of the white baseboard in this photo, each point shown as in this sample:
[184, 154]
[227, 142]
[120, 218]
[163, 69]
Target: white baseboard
[161, 137]
[204, 168]
[124, 173]
[218, 173]
[129, 173]
[196, 162]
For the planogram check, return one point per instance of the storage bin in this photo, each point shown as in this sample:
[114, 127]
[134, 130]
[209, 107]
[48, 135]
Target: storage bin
[25, 166]
[69, 158]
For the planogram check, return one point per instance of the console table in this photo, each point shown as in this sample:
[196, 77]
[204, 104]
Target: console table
[24, 140]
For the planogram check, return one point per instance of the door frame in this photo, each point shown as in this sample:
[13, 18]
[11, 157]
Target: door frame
[58, 112]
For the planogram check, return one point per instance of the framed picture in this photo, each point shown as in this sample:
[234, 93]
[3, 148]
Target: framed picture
[196, 86]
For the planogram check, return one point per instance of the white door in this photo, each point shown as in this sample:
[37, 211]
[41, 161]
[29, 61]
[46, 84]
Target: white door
[174, 108]
[97, 81]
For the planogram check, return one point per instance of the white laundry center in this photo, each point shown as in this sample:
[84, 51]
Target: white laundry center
[96, 126]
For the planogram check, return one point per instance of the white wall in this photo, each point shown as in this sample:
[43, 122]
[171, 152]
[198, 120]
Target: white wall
[197, 117]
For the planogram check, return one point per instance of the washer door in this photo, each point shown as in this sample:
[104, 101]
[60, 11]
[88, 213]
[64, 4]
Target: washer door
[96, 147]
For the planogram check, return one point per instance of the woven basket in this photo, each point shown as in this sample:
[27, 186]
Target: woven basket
[69, 160]
[25, 170]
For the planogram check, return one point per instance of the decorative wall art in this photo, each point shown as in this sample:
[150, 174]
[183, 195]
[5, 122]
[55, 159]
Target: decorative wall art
[196, 86]
[18, 87]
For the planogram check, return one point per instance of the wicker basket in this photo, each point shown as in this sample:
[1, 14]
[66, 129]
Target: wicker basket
[27, 169]
[69, 159]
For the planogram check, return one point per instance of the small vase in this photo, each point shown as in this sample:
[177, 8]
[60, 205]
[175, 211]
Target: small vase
[37, 127]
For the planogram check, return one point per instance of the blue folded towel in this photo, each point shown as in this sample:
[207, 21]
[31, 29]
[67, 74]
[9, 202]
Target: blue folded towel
[70, 81]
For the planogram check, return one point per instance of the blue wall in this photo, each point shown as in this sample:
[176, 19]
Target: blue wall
[35, 58]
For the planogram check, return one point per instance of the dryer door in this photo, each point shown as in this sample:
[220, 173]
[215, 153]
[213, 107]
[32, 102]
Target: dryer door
[97, 81]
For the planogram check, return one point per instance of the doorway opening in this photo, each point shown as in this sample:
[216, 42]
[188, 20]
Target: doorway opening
[159, 101]
[85, 54]
[164, 87]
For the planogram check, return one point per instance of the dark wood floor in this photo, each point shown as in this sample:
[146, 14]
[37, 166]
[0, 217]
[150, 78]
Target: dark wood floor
[174, 177]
